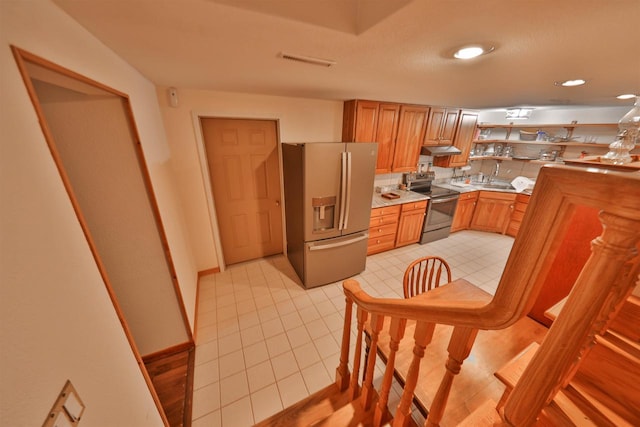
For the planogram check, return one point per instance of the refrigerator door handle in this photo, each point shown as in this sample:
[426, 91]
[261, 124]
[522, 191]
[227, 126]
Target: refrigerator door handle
[320, 246]
[348, 201]
[343, 190]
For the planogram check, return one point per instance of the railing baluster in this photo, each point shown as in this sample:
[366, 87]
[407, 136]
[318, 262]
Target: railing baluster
[422, 337]
[396, 331]
[367, 386]
[459, 348]
[342, 371]
[355, 388]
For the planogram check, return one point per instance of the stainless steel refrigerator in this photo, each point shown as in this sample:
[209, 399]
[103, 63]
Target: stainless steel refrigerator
[328, 188]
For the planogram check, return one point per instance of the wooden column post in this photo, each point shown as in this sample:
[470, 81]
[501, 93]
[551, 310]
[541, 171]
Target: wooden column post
[367, 386]
[342, 371]
[604, 281]
[459, 348]
[396, 332]
[422, 336]
[355, 387]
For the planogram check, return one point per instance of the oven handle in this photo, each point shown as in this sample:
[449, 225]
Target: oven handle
[444, 200]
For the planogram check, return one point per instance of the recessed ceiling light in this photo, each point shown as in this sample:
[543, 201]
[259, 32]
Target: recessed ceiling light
[626, 96]
[474, 51]
[570, 83]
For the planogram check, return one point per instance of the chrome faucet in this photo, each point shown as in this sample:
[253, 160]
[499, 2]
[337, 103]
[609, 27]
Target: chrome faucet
[495, 172]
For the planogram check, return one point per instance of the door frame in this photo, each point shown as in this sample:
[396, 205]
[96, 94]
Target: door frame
[196, 117]
[22, 57]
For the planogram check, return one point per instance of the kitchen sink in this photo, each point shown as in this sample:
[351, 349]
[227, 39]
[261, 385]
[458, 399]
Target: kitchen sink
[499, 186]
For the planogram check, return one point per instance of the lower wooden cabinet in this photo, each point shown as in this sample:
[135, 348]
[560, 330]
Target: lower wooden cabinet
[522, 200]
[383, 227]
[464, 211]
[493, 211]
[410, 225]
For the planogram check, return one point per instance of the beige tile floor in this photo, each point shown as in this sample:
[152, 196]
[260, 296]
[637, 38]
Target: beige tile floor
[264, 342]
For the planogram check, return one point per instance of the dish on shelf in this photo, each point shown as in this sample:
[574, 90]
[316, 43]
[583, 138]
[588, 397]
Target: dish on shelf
[528, 136]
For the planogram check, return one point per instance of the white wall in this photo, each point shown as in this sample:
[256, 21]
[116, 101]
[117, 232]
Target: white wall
[300, 120]
[56, 320]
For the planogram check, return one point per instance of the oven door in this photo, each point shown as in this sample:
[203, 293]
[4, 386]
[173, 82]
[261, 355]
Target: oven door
[440, 213]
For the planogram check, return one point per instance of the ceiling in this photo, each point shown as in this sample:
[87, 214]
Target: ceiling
[384, 50]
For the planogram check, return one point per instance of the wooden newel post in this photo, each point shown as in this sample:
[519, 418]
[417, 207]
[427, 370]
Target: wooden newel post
[605, 280]
[342, 371]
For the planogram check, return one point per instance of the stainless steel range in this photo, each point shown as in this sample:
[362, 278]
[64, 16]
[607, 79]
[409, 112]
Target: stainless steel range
[440, 209]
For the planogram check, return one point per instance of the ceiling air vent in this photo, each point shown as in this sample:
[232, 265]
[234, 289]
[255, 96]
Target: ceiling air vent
[308, 59]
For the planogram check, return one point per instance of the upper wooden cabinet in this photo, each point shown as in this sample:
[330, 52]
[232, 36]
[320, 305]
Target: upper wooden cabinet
[411, 127]
[372, 121]
[441, 126]
[359, 121]
[388, 117]
[463, 140]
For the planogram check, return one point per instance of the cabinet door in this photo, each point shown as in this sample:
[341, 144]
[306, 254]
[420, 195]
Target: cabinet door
[463, 140]
[366, 121]
[388, 115]
[449, 126]
[410, 227]
[493, 211]
[522, 200]
[434, 126]
[413, 120]
[441, 127]
[464, 213]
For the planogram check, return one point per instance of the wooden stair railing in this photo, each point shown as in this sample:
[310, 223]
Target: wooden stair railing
[605, 282]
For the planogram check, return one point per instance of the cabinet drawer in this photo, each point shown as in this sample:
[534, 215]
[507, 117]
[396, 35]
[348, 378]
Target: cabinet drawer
[380, 244]
[472, 195]
[415, 206]
[383, 220]
[382, 230]
[497, 196]
[387, 210]
[522, 198]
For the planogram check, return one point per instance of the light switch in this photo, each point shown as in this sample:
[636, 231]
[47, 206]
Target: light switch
[67, 409]
[61, 420]
[73, 406]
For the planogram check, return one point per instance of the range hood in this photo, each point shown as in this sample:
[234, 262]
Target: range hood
[439, 150]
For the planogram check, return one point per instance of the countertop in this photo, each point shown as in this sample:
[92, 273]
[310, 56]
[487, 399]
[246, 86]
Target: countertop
[406, 196]
[467, 188]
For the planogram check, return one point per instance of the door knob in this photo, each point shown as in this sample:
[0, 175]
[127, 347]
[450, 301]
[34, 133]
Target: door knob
[277, 202]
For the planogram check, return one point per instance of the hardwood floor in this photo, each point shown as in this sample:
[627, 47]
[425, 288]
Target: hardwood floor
[172, 376]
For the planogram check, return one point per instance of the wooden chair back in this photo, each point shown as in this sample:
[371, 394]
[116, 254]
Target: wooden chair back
[424, 274]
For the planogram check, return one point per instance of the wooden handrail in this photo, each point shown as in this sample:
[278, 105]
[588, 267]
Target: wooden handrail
[607, 278]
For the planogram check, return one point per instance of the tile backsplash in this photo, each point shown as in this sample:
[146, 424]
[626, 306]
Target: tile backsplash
[509, 169]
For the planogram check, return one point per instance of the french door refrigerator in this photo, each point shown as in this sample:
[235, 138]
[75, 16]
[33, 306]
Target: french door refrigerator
[328, 188]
